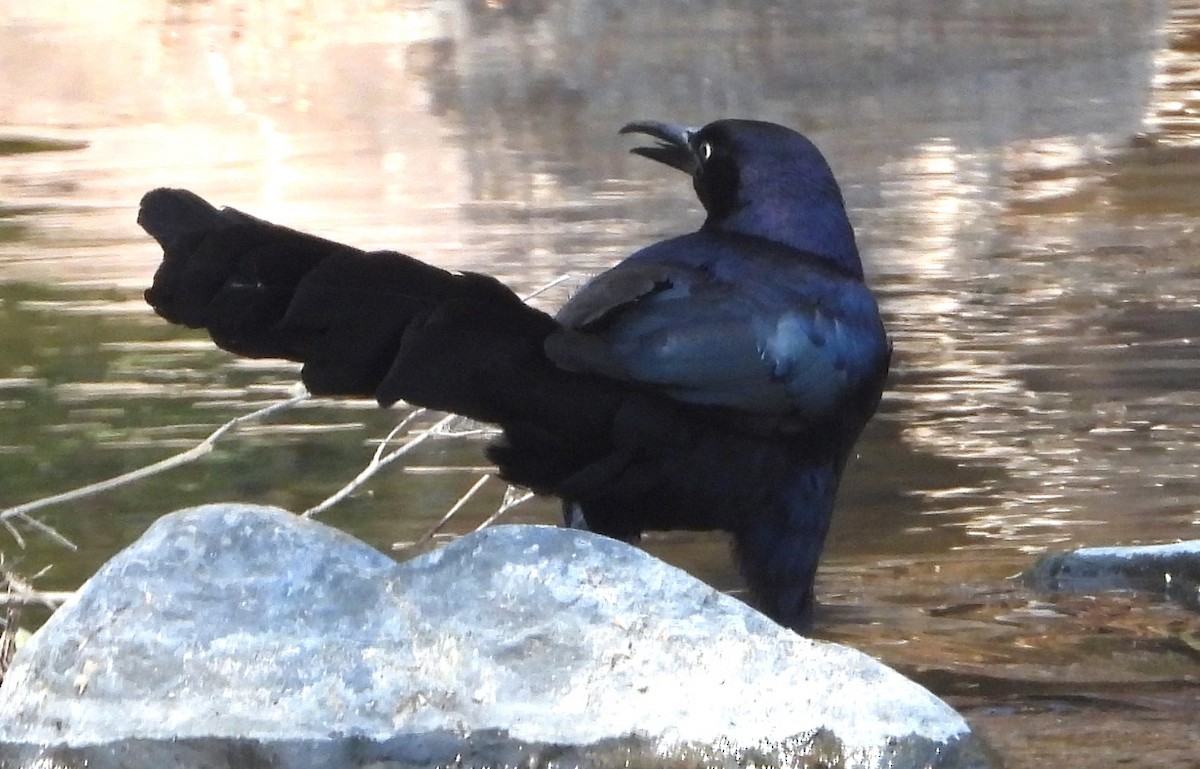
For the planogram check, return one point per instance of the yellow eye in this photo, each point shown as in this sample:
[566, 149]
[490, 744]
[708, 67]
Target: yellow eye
[705, 150]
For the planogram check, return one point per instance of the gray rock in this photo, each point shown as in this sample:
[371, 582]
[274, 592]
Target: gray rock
[1171, 571]
[238, 636]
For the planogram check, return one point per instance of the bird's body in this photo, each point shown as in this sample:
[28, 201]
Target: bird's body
[716, 380]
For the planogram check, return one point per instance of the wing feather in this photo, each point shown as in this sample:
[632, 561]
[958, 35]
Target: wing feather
[762, 336]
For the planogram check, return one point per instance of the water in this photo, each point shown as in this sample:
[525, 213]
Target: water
[1021, 176]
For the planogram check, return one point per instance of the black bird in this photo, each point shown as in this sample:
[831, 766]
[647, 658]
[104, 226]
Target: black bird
[716, 380]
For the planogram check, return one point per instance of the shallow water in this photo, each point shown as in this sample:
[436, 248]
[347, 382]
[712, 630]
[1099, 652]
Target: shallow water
[1022, 177]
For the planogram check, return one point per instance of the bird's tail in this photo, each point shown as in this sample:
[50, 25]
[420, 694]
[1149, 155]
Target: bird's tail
[364, 324]
[385, 325]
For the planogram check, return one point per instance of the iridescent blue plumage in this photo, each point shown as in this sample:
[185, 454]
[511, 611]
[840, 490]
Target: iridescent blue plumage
[716, 380]
[764, 313]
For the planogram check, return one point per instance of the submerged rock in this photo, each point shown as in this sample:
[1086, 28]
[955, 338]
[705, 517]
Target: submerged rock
[1172, 571]
[240, 636]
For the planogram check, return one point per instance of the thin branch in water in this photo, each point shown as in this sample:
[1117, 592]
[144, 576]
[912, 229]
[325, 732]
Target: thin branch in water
[396, 431]
[51, 599]
[21, 592]
[461, 427]
[446, 469]
[16, 593]
[513, 496]
[434, 529]
[381, 460]
[9, 625]
[45, 529]
[21, 512]
[14, 532]
[547, 286]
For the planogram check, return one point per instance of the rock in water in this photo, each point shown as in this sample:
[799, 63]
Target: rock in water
[1171, 571]
[240, 636]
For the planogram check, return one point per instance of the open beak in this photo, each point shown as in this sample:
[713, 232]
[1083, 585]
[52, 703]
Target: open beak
[674, 147]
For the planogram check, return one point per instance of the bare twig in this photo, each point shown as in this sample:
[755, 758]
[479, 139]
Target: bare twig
[547, 286]
[513, 496]
[380, 460]
[15, 594]
[49, 598]
[435, 528]
[8, 637]
[21, 512]
[14, 532]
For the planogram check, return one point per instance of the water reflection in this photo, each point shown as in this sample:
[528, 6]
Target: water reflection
[1021, 177]
[1173, 116]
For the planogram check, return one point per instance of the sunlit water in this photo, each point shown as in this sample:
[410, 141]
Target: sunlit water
[1022, 177]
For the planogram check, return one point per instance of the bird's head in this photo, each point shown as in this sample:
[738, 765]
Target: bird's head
[760, 179]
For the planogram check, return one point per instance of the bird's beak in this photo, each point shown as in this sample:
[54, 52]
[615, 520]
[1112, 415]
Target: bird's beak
[674, 147]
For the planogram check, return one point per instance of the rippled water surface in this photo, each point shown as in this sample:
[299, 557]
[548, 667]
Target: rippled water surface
[1022, 176]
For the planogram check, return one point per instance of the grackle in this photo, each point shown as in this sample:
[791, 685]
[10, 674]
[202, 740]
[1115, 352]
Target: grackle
[715, 380]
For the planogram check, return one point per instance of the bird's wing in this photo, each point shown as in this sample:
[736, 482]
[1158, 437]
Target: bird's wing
[758, 336]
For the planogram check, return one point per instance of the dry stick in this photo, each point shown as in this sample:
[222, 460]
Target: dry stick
[508, 504]
[48, 598]
[19, 591]
[380, 460]
[15, 533]
[21, 512]
[435, 528]
[547, 286]
[8, 638]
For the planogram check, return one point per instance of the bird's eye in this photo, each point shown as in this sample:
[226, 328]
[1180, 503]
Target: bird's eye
[705, 150]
